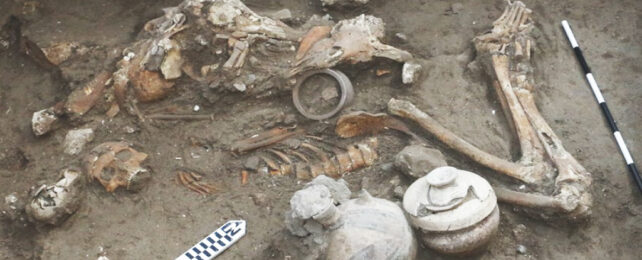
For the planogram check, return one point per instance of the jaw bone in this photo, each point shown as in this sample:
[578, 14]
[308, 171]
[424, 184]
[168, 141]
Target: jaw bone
[506, 50]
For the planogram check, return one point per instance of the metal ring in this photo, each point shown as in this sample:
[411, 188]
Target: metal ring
[347, 93]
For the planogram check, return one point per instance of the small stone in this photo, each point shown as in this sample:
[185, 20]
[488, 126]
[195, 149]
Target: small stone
[395, 180]
[201, 40]
[290, 119]
[398, 192]
[283, 15]
[42, 121]
[402, 36]
[416, 161]
[387, 166]
[196, 108]
[329, 93]
[240, 86]
[520, 232]
[129, 129]
[410, 72]
[292, 143]
[343, 2]
[13, 207]
[521, 249]
[259, 199]
[76, 139]
[456, 7]
[207, 69]
[252, 163]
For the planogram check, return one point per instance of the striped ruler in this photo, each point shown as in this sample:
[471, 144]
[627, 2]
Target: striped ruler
[605, 109]
[214, 244]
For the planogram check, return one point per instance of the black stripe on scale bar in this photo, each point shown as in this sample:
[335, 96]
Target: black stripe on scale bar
[636, 174]
[609, 117]
[580, 57]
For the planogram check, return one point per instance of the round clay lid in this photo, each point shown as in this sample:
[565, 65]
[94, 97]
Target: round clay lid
[449, 199]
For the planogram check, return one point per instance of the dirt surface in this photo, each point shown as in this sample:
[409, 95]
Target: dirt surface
[164, 219]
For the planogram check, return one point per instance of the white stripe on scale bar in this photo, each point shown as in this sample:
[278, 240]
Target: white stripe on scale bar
[622, 145]
[596, 90]
[569, 34]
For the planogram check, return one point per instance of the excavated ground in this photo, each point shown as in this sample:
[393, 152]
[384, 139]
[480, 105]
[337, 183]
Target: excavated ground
[164, 219]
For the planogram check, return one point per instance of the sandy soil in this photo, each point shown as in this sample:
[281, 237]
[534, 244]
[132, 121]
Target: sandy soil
[164, 219]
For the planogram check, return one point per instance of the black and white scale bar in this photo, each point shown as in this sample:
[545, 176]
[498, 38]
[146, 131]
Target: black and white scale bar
[214, 244]
[605, 109]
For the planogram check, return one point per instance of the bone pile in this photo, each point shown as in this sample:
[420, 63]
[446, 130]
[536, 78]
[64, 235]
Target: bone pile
[226, 47]
[561, 183]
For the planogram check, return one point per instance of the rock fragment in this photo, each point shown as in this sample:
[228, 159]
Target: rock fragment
[76, 139]
[252, 163]
[410, 72]
[282, 15]
[42, 121]
[344, 2]
[416, 160]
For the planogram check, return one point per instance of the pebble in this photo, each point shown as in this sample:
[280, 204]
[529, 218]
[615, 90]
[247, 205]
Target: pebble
[398, 192]
[259, 199]
[520, 232]
[521, 249]
[416, 160]
[457, 7]
[410, 72]
[283, 15]
[252, 163]
[76, 139]
[240, 87]
[290, 119]
[129, 129]
[402, 36]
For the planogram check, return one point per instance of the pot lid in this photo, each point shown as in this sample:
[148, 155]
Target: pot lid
[449, 199]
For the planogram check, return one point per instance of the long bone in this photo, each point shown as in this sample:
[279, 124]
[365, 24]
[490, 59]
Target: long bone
[506, 49]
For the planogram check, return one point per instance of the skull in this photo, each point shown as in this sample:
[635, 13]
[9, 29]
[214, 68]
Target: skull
[116, 164]
[54, 203]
